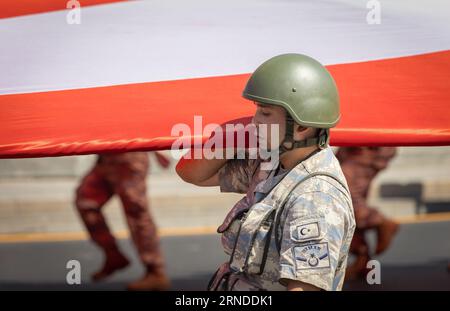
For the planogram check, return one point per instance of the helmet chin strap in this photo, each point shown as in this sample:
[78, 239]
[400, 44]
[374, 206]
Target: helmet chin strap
[289, 143]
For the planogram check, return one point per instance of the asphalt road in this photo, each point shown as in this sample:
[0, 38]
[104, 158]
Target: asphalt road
[417, 260]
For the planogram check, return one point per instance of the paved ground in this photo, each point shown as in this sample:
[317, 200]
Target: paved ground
[416, 261]
[36, 195]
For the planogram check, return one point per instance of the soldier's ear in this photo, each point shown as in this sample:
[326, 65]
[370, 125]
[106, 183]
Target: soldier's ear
[302, 132]
[300, 129]
[299, 132]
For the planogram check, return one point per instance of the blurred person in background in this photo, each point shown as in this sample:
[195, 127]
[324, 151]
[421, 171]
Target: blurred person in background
[360, 166]
[123, 174]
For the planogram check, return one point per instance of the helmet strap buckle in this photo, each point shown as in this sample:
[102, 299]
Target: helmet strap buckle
[323, 138]
[288, 142]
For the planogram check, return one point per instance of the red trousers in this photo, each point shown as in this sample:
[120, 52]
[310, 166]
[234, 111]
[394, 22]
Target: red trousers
[124, 175]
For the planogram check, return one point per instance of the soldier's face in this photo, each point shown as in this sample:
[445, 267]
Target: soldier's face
[273, 120]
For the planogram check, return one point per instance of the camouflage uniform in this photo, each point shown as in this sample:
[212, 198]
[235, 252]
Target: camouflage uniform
[315, 229]
[125, 175]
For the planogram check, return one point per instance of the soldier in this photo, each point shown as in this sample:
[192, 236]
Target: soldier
[292, 230]
[125, 175]
[360, 166]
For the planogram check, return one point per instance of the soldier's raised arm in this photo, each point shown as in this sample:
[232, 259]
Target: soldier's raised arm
[200, 172]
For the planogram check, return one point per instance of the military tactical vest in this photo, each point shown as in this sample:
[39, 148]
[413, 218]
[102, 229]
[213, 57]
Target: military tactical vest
[253, 232]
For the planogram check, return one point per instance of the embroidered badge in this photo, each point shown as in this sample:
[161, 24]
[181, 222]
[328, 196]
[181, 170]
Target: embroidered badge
[308, 231]
[312, 256]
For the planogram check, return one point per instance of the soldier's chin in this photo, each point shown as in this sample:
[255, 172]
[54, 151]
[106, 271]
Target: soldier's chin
[266, 150]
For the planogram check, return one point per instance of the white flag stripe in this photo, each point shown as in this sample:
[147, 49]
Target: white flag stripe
[144, 41]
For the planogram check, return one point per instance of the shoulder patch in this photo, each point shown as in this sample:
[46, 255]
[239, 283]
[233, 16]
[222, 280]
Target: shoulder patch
[312, 256]
[305, 230]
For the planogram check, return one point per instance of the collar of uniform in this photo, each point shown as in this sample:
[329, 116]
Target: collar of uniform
[319, 160]
[310, 164]
[275, 176]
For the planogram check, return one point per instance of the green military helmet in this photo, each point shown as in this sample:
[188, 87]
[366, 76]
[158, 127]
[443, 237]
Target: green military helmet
[301, 85]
